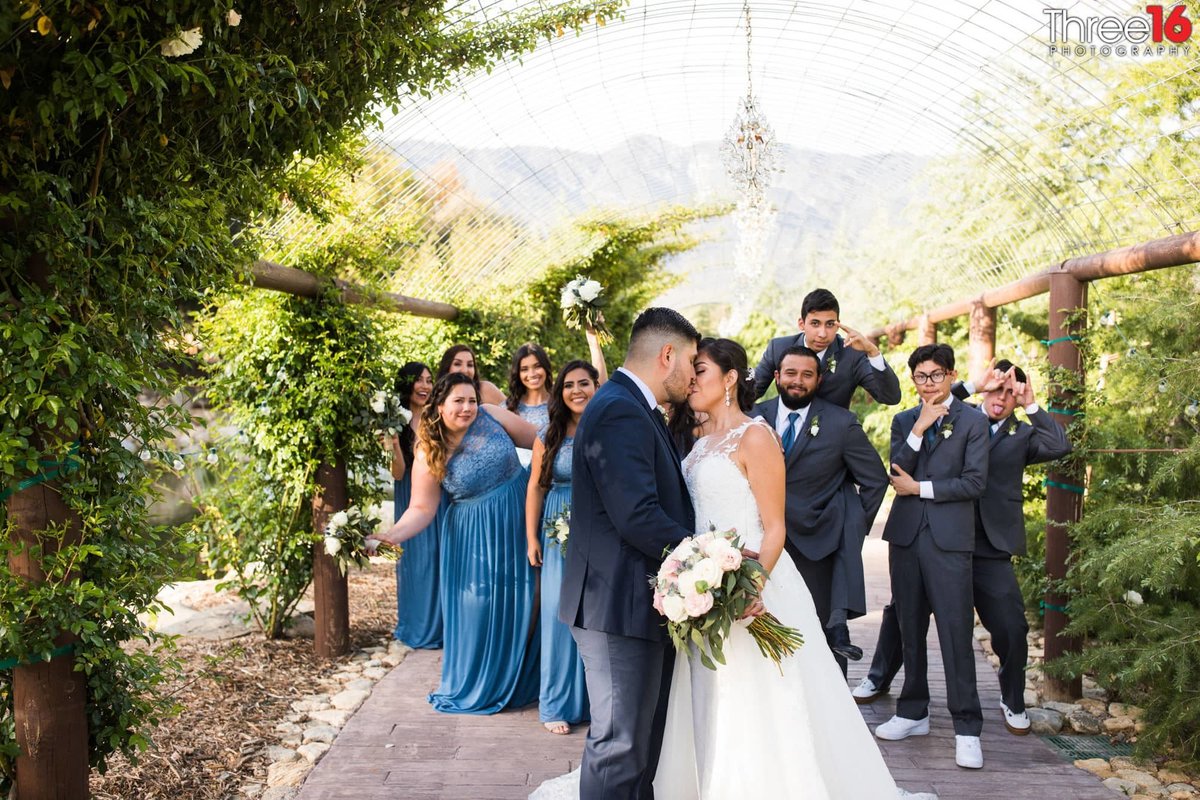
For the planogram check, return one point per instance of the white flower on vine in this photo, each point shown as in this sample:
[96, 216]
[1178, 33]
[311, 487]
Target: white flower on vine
[144, 455]
[333, 545]
[177, 464]
[183, 43]
[212, 457]
[1133, 598]
[233, 18]
[379, 403]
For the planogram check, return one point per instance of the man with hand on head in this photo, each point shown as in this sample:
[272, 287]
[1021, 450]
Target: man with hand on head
[939, 456]
[999, 535]
[845, 363]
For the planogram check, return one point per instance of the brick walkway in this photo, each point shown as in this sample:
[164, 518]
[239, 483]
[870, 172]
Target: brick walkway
[397, 747]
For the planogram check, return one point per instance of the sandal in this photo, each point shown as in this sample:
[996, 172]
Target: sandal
[558, 727]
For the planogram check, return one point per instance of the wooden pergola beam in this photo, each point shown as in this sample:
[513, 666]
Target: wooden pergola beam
[277, 277]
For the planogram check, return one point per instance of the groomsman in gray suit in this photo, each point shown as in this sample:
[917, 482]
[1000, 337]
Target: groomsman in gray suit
[846, 363]
[999, 535]
[939, 456]
[826, 455]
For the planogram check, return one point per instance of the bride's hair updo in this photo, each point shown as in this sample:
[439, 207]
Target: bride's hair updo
[729, 355]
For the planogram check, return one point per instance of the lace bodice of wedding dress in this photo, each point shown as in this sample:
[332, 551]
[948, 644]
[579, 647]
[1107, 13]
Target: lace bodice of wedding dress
[721, 495]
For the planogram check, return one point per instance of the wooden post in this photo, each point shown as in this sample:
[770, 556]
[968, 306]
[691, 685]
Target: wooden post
[981, 346]
[926, 331]
[1064, 492]
[49, 697]
[331, 615]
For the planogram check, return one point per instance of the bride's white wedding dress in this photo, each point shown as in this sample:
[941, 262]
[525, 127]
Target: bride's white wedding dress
[745, 730]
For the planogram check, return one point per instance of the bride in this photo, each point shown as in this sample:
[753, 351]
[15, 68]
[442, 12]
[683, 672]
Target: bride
[750, 728]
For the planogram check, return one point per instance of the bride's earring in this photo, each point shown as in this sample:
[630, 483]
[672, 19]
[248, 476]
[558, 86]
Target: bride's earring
[727, 400]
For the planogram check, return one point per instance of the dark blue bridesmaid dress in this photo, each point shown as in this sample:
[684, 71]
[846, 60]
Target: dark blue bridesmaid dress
[563, 696]
[490, 658]
[418, 600]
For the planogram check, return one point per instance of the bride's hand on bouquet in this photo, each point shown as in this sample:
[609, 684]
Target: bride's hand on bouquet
[748, 553]
[755, 609]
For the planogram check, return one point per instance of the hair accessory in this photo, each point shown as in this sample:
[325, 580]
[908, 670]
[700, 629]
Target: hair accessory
[749, 374]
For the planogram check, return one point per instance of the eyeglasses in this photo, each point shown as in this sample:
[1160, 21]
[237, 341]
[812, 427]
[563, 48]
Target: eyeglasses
[921, 378]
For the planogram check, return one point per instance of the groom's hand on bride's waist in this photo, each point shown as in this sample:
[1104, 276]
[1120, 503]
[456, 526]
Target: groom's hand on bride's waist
[748, 553]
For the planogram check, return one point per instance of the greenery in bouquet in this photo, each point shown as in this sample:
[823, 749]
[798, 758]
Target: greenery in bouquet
[558, 529]
[346, 535]
[705, 585]
[581, 303]
[388, 416]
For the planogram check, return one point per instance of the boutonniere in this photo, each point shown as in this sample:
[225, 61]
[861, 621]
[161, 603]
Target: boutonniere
[1012, 427]
[831, 364]
[665, 416]
[814, 427]
[947, 429]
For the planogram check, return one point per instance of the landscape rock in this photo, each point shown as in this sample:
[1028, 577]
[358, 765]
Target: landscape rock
[1144, 780]
[1045, 721]
[360, 685]
[1124, 710]
[1114, 725]
[375, 673]
[320, 733]
[1031, 697]
[1121, 786]
[351, 699]
[279, 793]
[1097, 766]
[313, 750]
[1062, 708]
[332, 716]
[1093, 706]
[276, 754]
[1084, 723]
[288, 773]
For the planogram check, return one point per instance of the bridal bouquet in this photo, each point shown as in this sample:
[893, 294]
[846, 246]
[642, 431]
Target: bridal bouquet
[345, 539]
[558, 529]
[704, 586]
[388, 414]
[581, 303]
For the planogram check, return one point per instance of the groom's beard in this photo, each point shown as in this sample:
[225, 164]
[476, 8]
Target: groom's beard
[794, 402]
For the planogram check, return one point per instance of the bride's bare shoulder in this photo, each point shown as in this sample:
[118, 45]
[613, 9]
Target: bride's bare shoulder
[759, 438]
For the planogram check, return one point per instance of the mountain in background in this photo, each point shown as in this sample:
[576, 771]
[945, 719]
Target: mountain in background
[819, 197]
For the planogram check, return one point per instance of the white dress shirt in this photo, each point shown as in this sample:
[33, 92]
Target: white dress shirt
[641, 384]
[915, 442]
[781, 418]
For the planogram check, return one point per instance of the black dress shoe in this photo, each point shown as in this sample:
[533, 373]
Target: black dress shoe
[850, 652]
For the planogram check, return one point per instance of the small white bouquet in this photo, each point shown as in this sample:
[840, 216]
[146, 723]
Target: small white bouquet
[705, 585]
[581, 302]
[345, 536]
[388, 414]
[558, 529]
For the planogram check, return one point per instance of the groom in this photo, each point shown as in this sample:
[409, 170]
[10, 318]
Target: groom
[630, 503]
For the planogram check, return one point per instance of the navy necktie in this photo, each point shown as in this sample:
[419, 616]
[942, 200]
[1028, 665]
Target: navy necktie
[930, 437]
[789, 435]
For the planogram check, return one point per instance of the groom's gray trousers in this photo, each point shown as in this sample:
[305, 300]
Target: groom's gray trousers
[624, 682]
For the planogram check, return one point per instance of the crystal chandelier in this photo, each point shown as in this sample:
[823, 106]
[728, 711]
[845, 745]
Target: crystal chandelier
[750, 154]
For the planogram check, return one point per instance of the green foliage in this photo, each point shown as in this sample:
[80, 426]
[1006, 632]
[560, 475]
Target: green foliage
[130, 185]
[295, 376]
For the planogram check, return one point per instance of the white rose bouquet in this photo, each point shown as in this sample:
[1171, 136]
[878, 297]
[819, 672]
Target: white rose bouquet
[344, 537]
[704, 586]
[558, 529]
[388, 415]
[581, 302]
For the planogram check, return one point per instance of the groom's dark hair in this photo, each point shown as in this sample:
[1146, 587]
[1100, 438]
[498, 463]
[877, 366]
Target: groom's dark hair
[663, 322]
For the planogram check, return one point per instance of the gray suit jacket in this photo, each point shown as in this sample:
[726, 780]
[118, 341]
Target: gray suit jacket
[957, 464]
[1015, 446]
[822, 508]
[851, 369]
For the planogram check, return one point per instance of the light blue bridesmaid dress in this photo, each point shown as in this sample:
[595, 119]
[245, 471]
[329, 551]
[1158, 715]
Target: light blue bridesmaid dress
[563, 696]
[537, 416]
[418, 600]
[490, 658]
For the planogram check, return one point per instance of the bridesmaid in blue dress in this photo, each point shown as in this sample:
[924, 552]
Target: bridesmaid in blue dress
[563, 698]
[461, 358]
[528, 390]
[465, 450]
[418, 605]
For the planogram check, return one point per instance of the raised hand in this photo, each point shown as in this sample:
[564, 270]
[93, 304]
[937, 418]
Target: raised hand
[903, 483]
[857, 341]
[930, 413]
[991, 379]
[1023, 392]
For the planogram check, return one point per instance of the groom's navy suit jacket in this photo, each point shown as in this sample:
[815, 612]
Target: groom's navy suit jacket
[822, 508]
[957, 464]
[852, 369]
[629, 503]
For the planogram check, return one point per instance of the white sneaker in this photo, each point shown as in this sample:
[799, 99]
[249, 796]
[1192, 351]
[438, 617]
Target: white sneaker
[968, 752]
[1017, 724]
[866, 692]
[898, 728]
